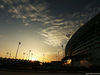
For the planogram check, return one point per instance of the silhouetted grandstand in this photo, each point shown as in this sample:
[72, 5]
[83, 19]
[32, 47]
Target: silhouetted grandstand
[7, 62]
[84, 46]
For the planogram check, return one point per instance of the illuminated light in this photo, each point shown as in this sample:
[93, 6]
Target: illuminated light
[33, 59]
[68, 61]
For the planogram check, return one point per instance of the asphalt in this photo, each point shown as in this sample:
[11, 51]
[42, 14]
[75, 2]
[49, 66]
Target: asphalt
[32, 73]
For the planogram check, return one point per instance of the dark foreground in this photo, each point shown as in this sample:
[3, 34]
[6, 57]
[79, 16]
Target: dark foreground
[37, 73]
[26, 67]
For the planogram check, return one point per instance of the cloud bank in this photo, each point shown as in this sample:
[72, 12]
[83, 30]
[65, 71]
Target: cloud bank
[56, 29]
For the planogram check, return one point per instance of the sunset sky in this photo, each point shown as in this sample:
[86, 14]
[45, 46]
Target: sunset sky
[42, 25]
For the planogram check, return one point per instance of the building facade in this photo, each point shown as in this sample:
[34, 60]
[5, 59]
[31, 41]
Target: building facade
[84, 45]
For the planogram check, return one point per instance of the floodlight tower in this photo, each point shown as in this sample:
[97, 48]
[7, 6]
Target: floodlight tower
[17, 50]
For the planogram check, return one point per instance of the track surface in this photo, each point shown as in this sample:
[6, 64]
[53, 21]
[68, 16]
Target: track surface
[30, 73]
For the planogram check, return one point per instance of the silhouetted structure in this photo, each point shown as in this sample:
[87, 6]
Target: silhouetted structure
[84, 46]
[17, 50]
[12, 63]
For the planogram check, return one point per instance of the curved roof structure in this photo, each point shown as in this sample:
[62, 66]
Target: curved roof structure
[86, 40]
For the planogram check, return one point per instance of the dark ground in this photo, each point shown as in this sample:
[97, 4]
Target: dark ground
[32, 73]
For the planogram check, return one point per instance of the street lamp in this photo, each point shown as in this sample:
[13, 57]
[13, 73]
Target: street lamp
[7, 54]
[29, 54]
[23, 55]
[43, 58]
[17, 50]
[62, 51]
[58, 56]
[27, 57]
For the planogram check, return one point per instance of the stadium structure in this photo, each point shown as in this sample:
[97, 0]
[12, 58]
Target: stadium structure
[83, 49]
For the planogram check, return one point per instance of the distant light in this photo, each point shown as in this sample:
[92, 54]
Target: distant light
[33, 59]
[68, 61]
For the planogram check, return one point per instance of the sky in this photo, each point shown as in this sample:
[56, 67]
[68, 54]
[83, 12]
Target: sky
[41, 26]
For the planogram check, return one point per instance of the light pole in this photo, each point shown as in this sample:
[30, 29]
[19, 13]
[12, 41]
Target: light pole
[7, 54]
[62, 51]
[23, 55]
[58, 56]
[27, 57]
[29, 54]
[43, 58]
[17, 50]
